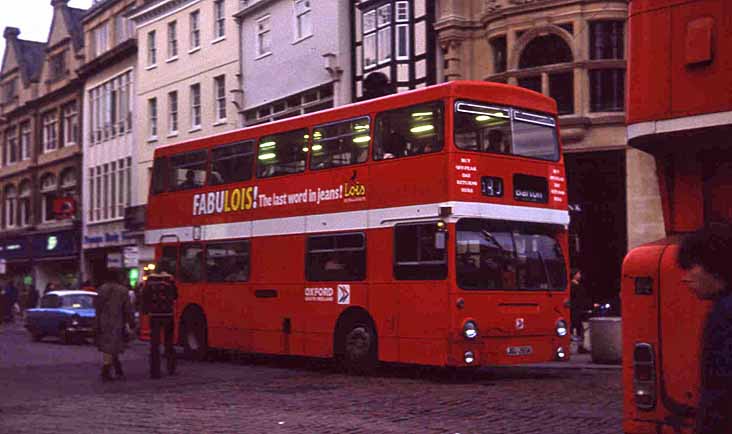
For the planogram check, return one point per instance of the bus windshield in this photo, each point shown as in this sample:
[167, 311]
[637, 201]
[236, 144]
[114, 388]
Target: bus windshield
[508, 255]
[505, 130]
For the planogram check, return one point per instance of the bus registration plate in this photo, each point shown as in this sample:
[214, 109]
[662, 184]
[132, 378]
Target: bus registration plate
[519, 351]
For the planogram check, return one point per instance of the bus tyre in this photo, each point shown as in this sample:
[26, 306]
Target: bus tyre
[359, 349]
[194, 336]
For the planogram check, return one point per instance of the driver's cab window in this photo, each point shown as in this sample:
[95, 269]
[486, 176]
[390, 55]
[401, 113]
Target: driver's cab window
[168, 260]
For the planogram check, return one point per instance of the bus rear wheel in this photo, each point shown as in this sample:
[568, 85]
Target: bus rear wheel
[359, 349]
[194, 336]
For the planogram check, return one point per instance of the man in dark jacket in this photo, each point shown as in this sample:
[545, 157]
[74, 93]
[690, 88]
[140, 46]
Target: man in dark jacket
[705, 257]
[158, 301]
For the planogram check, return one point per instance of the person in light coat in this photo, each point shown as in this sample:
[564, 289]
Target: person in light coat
[113, 317]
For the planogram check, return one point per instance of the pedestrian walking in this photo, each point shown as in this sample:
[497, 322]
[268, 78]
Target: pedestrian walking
[113, 316]
[11, 297]
[705, 257]
[580, 303]
[158, 301]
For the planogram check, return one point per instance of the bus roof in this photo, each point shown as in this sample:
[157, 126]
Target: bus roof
[497, 93]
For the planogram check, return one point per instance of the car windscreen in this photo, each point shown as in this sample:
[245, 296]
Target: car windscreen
[78, 301]
[502, 255]
[505, 130]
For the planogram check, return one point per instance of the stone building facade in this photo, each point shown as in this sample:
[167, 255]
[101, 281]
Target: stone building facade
[573, 51]
[108, 133]
[41, 142]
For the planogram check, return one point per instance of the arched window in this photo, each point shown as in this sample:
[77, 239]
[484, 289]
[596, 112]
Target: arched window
[48, 194]
[24, 203]
[11, 210]
[545, 50]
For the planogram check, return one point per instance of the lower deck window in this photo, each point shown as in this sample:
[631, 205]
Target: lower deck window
[336, 257]
[417, 252]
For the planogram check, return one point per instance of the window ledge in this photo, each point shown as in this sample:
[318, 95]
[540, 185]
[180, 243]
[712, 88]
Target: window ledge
[152, 139]
[262, 56]
[219, 39]
[220, 122]
[304, 38]
[172, 134]
[150, 67]
[195, 129]
[171, 59]
[194, 49]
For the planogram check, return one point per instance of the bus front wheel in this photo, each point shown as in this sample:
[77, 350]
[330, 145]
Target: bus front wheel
[194, 336]
[359, 349]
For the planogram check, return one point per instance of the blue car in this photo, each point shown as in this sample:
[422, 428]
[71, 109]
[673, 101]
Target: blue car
[68, 315]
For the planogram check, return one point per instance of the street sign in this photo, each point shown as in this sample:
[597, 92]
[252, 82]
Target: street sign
[114, 260]
[131, 256]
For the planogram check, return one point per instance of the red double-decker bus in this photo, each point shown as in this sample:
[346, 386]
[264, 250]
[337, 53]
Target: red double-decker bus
[678, 111]
[427, 227]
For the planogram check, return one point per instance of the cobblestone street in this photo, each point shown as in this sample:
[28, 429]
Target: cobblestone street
[49, 387]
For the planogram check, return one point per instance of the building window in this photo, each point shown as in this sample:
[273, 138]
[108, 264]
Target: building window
[98, 197]
[123, 28]
[607, 85]
[219, 19]
[11, 147]
[25, 140]
[311, 100]
[48, 194]
[50, 137]
[58, 66]
[195, 18]
[24, 202]
[100, 39]
[220, 95]
[607, 90]
[498, 46]
[105, 190]
[71, 124]
[195, 105]
[606, 40]
[152, 117]
[377, 35]
[152, 58]
[303, 19]
[90, 205]
[264, 36]
[10, 90]
[109, 110]
[172, 112]
[172, 39]
[541, 52]
[11, 203]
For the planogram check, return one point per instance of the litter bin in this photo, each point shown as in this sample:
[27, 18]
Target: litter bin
[606, 339]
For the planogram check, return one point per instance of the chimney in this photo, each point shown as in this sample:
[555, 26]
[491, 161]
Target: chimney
[11, 33]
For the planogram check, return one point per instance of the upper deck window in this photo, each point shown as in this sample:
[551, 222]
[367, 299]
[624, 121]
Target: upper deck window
[282, 154]
[231, 163]
[408, 131]
[340, 143]
[187, 170]
[505, 130]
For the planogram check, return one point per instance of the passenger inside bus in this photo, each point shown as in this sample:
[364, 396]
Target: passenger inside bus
[190, 181]
[497, 142]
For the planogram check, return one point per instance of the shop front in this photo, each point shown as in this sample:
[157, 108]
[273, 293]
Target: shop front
[15, 263]
[55, 258]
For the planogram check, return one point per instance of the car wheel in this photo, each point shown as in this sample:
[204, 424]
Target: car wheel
[359, 349]
[194, 336]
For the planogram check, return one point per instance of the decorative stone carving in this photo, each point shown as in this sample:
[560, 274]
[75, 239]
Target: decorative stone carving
[491, 5]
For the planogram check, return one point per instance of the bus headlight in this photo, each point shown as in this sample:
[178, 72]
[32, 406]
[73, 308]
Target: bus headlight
[561, 328]
[561, 354]
[470, 330]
